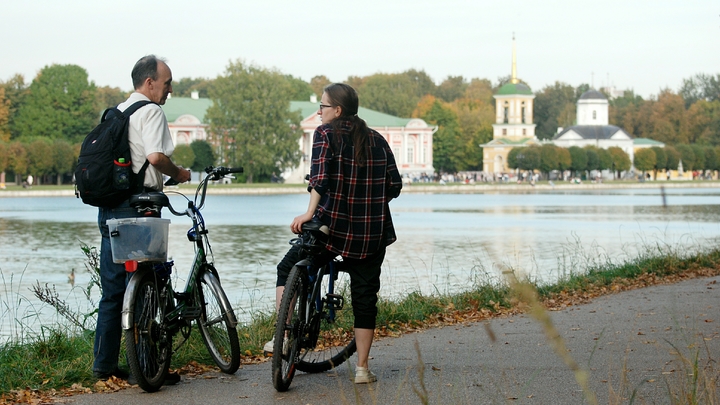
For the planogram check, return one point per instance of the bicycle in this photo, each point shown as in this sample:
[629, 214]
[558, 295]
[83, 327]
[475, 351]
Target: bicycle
[153, 313]
[304, 337]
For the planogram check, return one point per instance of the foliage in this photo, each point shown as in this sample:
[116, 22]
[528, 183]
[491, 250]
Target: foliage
[579, 159]
[106, 97]
[447, 147]
[15, 92]
[549, 158]
[185, 86]
[701, 87]
[644, 159]
[4, 157]
[394, 94]
[528, 158]
[63, 158]
[4, 116]
[687, 156]
[204, 155]
[673, 158]
[318, 83]
[452, 88]
[554, 107]
[699, 153]
[300, 90]
[251, 116]
[660, 159]
[620, 159]
[40, 158]
[184, 156]
[564, 159]
[60, 104]
[17, 154]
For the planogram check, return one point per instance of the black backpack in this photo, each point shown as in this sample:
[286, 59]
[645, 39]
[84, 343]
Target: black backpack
[96, 174]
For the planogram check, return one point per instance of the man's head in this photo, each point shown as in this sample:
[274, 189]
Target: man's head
[152, 77]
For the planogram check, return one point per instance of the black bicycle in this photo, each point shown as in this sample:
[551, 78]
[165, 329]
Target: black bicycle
[313, 329]
[153, 313]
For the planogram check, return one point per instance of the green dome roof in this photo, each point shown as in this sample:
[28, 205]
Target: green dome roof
[512, 88]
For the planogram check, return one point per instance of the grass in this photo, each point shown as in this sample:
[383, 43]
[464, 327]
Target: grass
[60, 356]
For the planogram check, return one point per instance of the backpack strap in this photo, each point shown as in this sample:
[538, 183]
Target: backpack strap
[140, 177]
[136, 106]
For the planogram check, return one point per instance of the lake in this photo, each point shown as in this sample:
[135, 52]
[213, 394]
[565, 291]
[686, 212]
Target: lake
[446, 241]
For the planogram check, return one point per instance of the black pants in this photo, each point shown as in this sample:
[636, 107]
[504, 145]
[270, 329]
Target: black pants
[364, 281]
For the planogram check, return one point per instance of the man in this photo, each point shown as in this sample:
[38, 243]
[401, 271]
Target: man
[150, 139]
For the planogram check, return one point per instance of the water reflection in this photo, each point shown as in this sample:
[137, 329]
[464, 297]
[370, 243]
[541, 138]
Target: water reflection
[446, 241]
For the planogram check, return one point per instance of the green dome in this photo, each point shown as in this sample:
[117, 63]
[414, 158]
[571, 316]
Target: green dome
[512, 88]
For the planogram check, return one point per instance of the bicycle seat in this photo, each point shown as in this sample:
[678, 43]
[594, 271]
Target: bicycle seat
[316, 226]
[149, 202]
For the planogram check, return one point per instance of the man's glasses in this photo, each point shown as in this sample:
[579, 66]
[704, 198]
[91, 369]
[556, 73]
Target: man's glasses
[324, 106]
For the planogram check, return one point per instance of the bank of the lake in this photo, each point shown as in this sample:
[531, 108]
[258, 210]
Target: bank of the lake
[450, 188]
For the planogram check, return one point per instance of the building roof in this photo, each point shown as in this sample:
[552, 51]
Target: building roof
[513, 88]
[591, 131]
[592, 95]
[374, 119]
[497, 142]
[175, 107]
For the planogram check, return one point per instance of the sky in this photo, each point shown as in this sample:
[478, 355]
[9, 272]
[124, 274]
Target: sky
[639, 45]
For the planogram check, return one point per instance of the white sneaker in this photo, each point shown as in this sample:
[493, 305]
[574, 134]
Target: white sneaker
[364, 376]
[270, 346]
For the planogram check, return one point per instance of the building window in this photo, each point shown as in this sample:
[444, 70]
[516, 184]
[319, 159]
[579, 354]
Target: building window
[504, 131]
[410, 153]
[505, 113]
[524, 131]
[522, 117]
[594, 114]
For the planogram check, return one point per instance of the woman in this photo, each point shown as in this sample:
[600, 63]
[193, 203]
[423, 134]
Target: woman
[352, 179]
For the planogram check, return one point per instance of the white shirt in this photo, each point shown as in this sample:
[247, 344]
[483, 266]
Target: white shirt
[148, 133]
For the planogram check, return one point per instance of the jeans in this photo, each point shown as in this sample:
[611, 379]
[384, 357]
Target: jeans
[113, 279]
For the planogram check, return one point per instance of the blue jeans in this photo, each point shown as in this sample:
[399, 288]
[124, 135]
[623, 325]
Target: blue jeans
[113, 279]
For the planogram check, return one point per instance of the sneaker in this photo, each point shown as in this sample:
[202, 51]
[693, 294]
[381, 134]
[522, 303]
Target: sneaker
[270, 346]
[364, 376]
[118, 373]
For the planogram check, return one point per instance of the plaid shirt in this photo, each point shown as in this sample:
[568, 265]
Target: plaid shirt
[354, 200]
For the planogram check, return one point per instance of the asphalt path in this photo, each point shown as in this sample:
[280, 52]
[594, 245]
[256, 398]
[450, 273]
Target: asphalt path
[642, 342]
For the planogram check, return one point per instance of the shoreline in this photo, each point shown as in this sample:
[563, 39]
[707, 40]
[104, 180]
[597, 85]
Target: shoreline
[417, 188]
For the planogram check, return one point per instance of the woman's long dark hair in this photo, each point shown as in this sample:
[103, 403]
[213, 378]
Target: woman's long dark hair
[345, 97]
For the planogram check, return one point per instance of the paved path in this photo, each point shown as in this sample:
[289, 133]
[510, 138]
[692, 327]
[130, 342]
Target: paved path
[634, 340]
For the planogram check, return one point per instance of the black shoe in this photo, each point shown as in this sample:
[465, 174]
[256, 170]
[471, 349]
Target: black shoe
[170, 379]
[118, 373]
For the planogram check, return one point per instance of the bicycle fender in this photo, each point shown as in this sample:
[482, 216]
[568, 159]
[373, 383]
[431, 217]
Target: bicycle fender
[214, 283]
[128, 309]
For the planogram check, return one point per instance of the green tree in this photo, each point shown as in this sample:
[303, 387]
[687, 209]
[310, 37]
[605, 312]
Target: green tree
[606, 162]
[423, 84]
[549, 159]
[300, 90]
[512, 157]
[660, 159]
[626, 111]
[4, 156]
[711, 159]
[699, 152]
[447, 147]
[393, 94]
[687, 156]
[251, 116]
[184, 155]
[620, 160]
[18, 160]
[204, 156]
[593, 160]
[703, 122]
[475, 119]
[564, 159]
[644, 160]
[529, 158]
[673, 158]
[60, 104]
[318, 83]
[40, 158]
[63, 158]
[186, 86]
[554, 105]
[108, 97]
[452, 88]
[579, 159]
[4, 116]
[700, 87]
[15, 93]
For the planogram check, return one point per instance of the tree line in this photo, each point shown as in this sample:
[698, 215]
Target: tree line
[251, 125]
[548, 158]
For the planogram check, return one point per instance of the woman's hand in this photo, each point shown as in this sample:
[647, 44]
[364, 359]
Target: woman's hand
[296, 226]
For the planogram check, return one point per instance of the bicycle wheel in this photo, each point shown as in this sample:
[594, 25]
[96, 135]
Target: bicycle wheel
[333, 343]
[288, 329]
[217, 323]
[147, 343]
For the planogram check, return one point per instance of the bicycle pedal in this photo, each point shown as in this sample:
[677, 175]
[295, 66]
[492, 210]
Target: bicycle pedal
[191, 312]
[335, 301]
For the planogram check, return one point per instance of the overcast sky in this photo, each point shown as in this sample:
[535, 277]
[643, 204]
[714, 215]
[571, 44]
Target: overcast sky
[631, 44]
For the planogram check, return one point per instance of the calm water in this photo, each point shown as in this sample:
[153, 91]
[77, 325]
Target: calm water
[446, 241]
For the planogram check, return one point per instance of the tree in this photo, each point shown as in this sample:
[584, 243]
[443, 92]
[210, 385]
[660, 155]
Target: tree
[204, 156]
[17, 160]
[300, 90]
[660, 159]
[700, 87]
[703, 122]
[554, 105]
[186, 86]
[183, 155]
[512, 157]
[666, 122]
[620, 160]
[4, 116]
[606, 162]
[673, 158]
[251, 116]
[452, 88]
[711, 159]
[475, 119]
[318, 83]
[687, 156]
[60, 104]
[447, 147]
[108, 97]
[15, 93]
[625, 112]
[699, 153]
[4, 157]
[393, 94]
[529, 158]
[40, 158]
[564, 159]
[423, 84]
[64, 159]
[579, 159]
[644, 160]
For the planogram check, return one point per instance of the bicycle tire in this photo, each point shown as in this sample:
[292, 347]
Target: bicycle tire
[217, 323]
[330, 349]
[147, 344]
[290, 323]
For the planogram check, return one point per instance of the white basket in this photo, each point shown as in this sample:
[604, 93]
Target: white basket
[141, 239]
